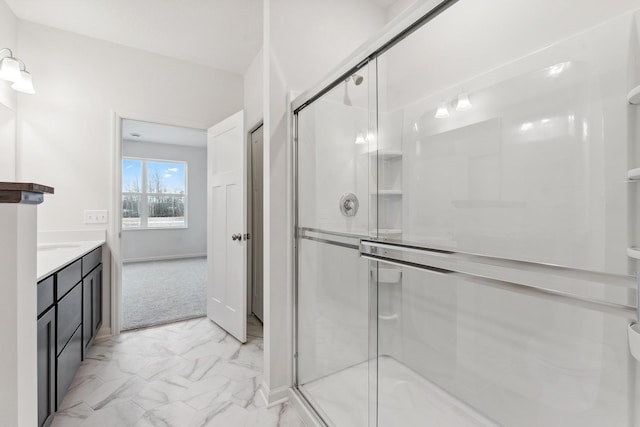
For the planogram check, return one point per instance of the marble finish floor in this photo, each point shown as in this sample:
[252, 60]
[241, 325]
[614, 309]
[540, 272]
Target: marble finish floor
[404, 399]
[190, 373]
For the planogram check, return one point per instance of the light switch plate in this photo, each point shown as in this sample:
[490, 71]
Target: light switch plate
[96, 217]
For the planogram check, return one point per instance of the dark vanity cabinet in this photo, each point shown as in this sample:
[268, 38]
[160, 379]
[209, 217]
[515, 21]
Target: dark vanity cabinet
[69, 316]
[92, 297]
[46, 353]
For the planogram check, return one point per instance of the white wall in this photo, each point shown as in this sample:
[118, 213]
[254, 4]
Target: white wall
[253, 91]
[18, 314]
[65, 132]
[150, 244]
[8, 38]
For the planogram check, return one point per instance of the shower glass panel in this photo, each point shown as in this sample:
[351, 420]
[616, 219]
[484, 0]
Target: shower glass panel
[335, 191]
[459, 350]
[504, 145]
[494, 160]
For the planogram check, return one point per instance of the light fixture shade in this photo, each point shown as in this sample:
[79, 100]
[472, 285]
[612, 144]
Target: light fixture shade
[25, 84]
[464, 103]
[360, 138]
[10, 69]
[442, 111]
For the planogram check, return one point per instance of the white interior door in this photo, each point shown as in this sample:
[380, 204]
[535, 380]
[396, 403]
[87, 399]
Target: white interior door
[226, 231]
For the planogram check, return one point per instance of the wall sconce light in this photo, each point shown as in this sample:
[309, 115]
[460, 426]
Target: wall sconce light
[443, 111]
[360, 138]
[14, 70]
[464, 103]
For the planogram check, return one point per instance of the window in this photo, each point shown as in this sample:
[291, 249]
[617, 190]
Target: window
[154, 194]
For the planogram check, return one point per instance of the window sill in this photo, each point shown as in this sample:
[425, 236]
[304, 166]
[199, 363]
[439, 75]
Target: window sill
[155, 228]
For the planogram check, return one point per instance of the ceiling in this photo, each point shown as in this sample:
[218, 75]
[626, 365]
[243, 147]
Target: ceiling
[163, 134]
[223, 34]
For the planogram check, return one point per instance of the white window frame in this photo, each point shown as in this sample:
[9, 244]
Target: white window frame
[144, 195]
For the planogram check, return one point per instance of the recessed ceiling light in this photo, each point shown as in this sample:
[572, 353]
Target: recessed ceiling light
[135, 135]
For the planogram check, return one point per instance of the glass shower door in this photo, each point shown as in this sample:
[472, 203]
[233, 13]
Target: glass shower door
[335, 196]
[504, 289]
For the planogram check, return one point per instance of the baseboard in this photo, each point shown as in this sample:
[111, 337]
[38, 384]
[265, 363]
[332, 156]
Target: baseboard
[275, 396]
[163, 258]
[303, 410]
[104, 332]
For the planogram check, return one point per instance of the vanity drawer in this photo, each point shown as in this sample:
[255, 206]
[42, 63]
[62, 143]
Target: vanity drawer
[68, 363]
[91, 261]
[45, 294]
[68, 277]
[69, 316]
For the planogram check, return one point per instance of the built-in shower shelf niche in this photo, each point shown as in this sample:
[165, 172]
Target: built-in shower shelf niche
[633, 333]
[634, 96]
[634, 174]
[387, 193]
[386, 154]
[389, 275]
[388, 316]
[633, 252]
[389, 232]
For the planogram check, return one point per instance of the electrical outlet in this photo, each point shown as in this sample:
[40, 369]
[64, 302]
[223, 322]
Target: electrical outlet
[96, 217]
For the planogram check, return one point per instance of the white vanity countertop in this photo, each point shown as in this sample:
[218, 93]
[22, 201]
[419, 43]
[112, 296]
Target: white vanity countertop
[53, 256]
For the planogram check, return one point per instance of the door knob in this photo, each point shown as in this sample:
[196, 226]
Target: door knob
[237, 236]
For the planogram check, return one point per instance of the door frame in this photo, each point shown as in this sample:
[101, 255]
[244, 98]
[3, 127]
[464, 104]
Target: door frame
[114, 229]
[250, 131]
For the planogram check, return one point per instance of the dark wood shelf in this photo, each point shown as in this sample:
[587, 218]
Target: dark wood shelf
[25, 186]
[23, 192]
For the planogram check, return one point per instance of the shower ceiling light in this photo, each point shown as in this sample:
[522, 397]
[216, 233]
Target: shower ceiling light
[464, 103]
[14, 70]
[442, 111]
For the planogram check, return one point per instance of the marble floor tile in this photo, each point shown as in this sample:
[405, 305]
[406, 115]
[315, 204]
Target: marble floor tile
[174, 414]
[79, 389]
[72, 416]
[278, 416]
[124, 414]
[190, 373]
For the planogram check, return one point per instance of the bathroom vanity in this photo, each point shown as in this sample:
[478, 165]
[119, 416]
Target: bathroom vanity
[69, 315]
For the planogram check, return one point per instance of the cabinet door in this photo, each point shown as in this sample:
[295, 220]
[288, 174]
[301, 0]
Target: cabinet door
[97, 299]
[46, 367]
[87, 312]
[69, 315]
[68, 363]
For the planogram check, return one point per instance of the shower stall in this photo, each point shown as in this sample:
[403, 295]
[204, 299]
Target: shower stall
[465, 214]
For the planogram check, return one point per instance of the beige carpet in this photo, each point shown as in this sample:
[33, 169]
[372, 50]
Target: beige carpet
[163, 291]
